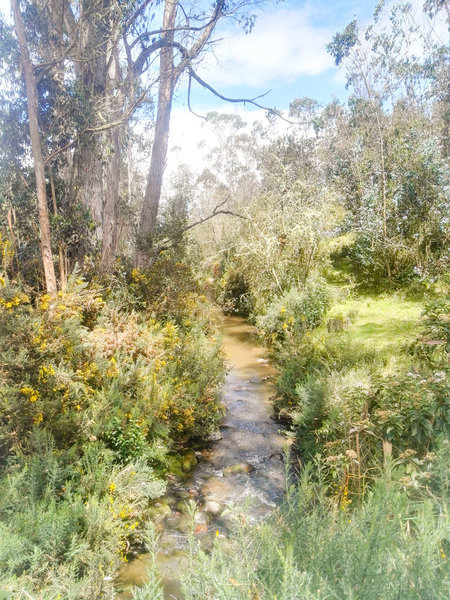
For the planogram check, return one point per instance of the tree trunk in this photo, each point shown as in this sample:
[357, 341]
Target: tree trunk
[113, 165]
[32, 101]
[111, 203]
[160, 143]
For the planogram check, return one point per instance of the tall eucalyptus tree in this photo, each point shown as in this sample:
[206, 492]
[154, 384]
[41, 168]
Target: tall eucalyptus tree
[98, 65]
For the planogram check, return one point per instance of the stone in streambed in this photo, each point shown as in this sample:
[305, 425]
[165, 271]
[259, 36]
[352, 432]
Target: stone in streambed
[212, 507]
[215, 436]
[183, 523]
[183, 507]
[202, 518]
[239, 468]
[159, 510]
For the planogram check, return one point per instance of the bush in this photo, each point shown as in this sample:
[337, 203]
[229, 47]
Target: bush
[348, 402]
[95, 393]
[412, 410]
[295, 311]
[66, 528]
[234, 295]
[433, 346]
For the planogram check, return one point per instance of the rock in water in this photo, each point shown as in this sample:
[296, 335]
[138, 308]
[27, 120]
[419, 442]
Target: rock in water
[188, 462]
[215, 436]
[202, 518]
[212, 507]
[239, 468]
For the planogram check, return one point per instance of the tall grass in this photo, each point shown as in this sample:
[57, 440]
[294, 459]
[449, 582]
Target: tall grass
[391, 547]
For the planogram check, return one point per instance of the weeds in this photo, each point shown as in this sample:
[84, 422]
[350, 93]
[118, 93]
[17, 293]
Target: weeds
[389, 547]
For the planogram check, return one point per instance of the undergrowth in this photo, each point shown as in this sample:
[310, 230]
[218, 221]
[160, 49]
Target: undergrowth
[101, 388]
[314, 547]
[376, 389]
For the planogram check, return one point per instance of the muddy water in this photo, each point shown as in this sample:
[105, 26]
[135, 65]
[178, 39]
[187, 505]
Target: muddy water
[243, 465]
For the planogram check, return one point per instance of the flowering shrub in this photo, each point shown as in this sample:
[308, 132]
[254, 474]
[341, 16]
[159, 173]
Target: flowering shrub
[75, 360]
[295, 311]
[94, 395]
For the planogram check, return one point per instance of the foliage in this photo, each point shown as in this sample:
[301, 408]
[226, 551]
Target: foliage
[234, 293]
[103, 384]
[96, 397]
[349, 394]
[296, 311]
[317, 547]
[413, 410]
[67, 527]
[434, 345]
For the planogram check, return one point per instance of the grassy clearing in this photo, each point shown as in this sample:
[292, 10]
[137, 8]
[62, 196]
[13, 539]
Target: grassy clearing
[386, 323]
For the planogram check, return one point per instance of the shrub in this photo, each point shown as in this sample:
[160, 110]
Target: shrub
[412, 410]
[295, 311]
[235, 296]
[66, 528]
[434, 344]
[94, 395]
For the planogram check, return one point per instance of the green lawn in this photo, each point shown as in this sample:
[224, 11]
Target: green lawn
[385, 323]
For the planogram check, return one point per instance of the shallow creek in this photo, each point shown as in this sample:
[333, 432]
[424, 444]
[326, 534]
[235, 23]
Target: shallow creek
[243, 465]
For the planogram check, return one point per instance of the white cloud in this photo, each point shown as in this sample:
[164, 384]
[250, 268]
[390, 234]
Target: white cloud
[5, 9]
[284, 45]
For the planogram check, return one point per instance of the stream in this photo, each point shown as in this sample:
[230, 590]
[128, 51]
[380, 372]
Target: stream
[243, 464]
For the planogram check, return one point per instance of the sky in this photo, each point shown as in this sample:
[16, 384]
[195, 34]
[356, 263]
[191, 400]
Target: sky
[285, 54]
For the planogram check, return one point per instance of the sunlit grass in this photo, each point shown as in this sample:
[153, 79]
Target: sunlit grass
[384, 323]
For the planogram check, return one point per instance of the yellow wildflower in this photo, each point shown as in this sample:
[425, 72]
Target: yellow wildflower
[32, 394]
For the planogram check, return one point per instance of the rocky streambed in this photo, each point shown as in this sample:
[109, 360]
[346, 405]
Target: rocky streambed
[242, 464]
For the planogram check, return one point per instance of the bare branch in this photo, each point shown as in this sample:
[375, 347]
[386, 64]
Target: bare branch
[206, 85]
[189, 101]
[171, 242]
[140, 60]
[253, 101]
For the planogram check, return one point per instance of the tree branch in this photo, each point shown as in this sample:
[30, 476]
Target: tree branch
[99, 128]
[140, 60]
[206, 85]
[171, 242]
